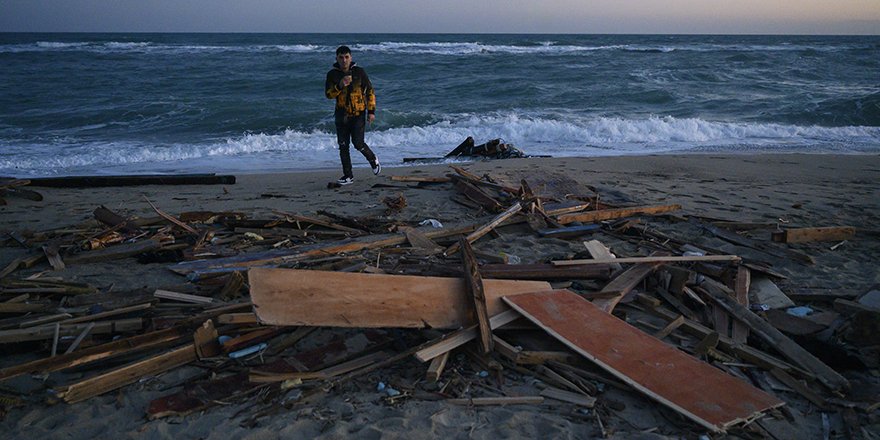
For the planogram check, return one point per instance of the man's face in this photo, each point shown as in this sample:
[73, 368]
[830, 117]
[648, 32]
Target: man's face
[344, 60]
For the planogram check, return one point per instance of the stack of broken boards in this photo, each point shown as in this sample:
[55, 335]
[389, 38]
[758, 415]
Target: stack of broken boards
[677, 328]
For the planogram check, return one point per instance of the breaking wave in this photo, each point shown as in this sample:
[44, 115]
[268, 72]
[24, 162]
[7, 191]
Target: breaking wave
[555, 135]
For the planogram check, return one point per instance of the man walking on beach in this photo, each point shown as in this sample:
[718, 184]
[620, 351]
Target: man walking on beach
[349, 85]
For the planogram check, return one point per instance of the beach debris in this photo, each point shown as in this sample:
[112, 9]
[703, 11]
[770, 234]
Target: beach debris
[394, 204]
[325, 299]
[805, 235]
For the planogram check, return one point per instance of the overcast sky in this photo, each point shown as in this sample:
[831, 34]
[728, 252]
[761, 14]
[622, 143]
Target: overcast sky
[445, 16]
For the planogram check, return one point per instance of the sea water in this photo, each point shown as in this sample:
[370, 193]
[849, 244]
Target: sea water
[73, 104]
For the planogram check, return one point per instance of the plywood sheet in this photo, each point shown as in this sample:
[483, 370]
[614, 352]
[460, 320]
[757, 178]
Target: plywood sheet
[338, 299]
[695, 389]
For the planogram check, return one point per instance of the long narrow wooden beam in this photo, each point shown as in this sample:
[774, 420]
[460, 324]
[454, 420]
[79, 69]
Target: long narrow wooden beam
[610, 214]
[477, 294]
[654, 259]
[691, 387]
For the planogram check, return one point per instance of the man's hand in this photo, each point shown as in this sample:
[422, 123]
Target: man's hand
[371, 117]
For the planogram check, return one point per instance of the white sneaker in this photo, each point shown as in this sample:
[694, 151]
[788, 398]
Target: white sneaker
[377, 167]
[345, 180]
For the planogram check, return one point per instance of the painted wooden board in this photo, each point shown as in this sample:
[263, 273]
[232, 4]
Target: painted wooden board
[695, 389]
[339, 299]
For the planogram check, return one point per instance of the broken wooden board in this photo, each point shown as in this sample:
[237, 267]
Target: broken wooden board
[336, 299]
[693, 388]
[115, 252]
[624, 283]
[650, 259]
[764, 291]
[120, 377]
[804, 235]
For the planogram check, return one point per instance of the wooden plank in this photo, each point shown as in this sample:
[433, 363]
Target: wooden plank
[183, 297]
[419, 240]
[449, 342]
[567, 396]
[48, 332]
[610, 214]
[599, 251]
[624, 283]
[804, 235]
[483, 401]
[488, 227]
[671, 327]
[237, 318]
[478, 196]
[114, 252]
[693, 388]
[546, 272]
[740, 332]
[476, 292]
[788, 348]
[435, 369]
[22, 307]
[120, 377]
[109, 313]
[652, 259]
[765, 291]
[315, 298]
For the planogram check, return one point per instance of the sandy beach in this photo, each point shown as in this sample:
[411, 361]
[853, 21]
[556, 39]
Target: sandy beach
[791, 190]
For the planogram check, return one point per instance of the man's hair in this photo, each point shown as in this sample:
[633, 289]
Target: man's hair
[342, 50]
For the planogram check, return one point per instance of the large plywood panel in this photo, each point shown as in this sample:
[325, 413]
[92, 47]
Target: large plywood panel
[339, 299]
[694, 388]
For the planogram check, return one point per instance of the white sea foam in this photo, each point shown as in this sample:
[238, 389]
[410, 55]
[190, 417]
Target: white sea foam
[431, 48]
[556, 135]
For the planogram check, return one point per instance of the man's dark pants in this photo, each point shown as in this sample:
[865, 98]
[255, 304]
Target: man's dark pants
[350, 130]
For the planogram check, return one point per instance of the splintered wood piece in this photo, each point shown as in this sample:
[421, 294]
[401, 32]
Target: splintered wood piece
[451, 341]
[476, 292]
[121, 377]
[435, 369]
[55, 260]
[652, 259]
[723, 296]
[693, 388]
[671, 327]
[624, 283]
[485, 229]
[232, 286]
[610, 214]
[568, 396]
[337, 299]
[237, 318]
[804, 235]
[171, 218]
[205, 340]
